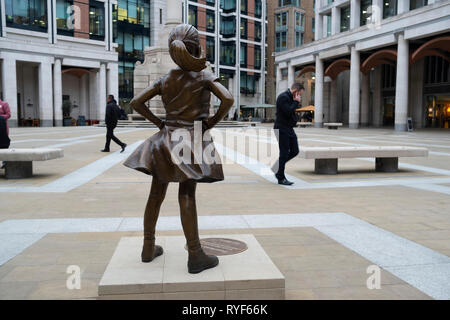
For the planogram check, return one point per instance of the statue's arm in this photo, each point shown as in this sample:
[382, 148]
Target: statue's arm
[138, 104]
[226, 99]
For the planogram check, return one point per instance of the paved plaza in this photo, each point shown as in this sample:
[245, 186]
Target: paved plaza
[323, 233]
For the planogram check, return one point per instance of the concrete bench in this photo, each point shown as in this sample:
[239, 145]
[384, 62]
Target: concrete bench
[19, 162]
[386, 158]
[304, 124]
[333, 125]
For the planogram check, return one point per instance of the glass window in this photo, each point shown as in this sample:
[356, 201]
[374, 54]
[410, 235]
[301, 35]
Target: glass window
[298, 38]
[328, 26]
[228, 5]
[285, 3]
[228, 26]
[416, 4]
[281, 41]
[389, 8]
[63, 12]
[243, 28]
[211, 2]
[228, 53]
[192, 16]
[243, 55]
[210, 49]
[299, 21]
[281, 21]
[247, 83]
[365, 14]
[244, 6]
[313, 23]
[345, 19]
[210, 20]
[257, 57]
[258, 31]
[258, 8]
[96, 20]
[27, 14]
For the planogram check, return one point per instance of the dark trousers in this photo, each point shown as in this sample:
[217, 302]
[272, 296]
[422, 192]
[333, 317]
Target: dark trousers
[288, 144]
[110, 135]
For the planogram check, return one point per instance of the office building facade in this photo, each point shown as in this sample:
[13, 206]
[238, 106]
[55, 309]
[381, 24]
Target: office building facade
[57, 53]
[377, 63]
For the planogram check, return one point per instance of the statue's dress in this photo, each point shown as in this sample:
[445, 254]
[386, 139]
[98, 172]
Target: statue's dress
[186, 98]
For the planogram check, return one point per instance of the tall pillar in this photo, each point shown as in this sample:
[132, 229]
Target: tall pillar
[84, 100]
[318, 32]
[416, 94]
[318, 97]
[278, 80]
[9, 83]
[335, 20]
[365, 93]
[353, 117]
[57, 93]
[376, 104]
[45, 94]
[113, 80]
[333, 101]
[94, 98]
[401, 84]
[102, 92]
[402, 6]
[355, 13]
[291, 75]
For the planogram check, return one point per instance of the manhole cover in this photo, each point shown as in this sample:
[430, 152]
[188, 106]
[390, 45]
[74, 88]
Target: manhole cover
[222, 246]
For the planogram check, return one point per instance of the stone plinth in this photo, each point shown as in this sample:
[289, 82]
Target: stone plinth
[247, 275]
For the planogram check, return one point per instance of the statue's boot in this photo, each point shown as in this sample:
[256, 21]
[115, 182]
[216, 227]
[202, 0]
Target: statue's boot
[198, 261]
[150, 251]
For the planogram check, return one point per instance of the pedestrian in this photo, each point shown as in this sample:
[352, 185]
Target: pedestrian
[286, 120]
[5, 114]
[111, 117]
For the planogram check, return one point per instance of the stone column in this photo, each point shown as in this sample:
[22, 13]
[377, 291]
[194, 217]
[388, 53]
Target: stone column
[291, 75]
[57, 93]
[9, 83]
[102, 92]
[113, 80]
[402, 6]
[335, 20]
[333, 101]
[353, 119]
[365, 93]
[318, 97]
[94, 98]
[84, 100]
[318, 32]
[376, 115]
[355, 13]
[45, 94]
[401, 86]
[416, 93]
[278, 80]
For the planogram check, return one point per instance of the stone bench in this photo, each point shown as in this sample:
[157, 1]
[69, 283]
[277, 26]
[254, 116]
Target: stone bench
[304, 124]
[333, 125]
[19, 162]
[386, 158]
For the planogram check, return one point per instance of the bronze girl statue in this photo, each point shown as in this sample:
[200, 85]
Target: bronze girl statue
[186, 95]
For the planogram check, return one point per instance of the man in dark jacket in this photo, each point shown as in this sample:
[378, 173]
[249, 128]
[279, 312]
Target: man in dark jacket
[4, 139]
[286, 119]
[111, 118]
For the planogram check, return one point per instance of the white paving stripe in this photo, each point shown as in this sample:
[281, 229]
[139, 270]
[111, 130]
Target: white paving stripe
[421, 267]
[81, 176]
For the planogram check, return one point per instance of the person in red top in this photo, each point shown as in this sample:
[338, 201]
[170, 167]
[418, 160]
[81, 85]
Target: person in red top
[5, 112]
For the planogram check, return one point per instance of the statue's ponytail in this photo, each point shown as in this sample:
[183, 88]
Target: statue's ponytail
[180, 53]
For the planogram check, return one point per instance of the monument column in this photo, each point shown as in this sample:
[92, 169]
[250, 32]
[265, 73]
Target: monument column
[9, 83]
[318, 97]
[353, 117]
[57, 93]
[45, 94]
[102, 92]
[401, 84]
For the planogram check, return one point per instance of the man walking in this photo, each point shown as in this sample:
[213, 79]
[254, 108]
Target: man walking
[286, 119]
[111, 118]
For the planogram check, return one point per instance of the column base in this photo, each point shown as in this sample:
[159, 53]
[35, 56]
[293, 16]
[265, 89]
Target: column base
[318, 125]
[46, 123]
[58, 123]
[386, 164]
[326, 166]
[400, 127]
[353, 125]
[18, 169]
